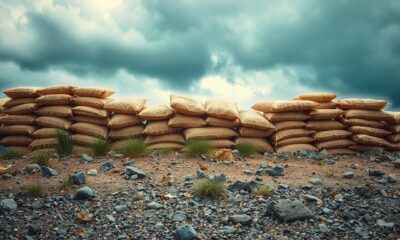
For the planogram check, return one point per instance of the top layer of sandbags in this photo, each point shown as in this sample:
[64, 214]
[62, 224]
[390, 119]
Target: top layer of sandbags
[22, 92]
[284, 106]
[187, 105]
[93, 92]
[317, 97]
[127, 105]
[363, 104]
[222, 109]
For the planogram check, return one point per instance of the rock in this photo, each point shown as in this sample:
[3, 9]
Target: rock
[86, 158]
[7, 205]
[105, 167]
[263, 165]
[384, 224]
[288, 211]
[323, 228]
[311, 198]
[251, 186]
[306, 187]
[315, 181]
[326, 210]
[189, 178]
[243, 219]
[248, 172]
[37, 205]
[282, 186]
[348, 175]
[339, 197]
[110, 218]
[382, 180]
[227, 230]
[120, 208]
[32, 168]
[220, 177]
[276, 171]
[375, 172]
[84, 193]
[354, 166]
[154, 205]
[185, 232]
[129, 170]
[48, 172]
[391, 178]
[78, 178]
[92, 172]
[179, 217]
[34, 229]
[123, 236]
[6, 176]
[365, 192]
[200, 174]
[236, 154]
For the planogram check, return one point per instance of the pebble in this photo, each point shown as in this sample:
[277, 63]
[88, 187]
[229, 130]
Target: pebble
[348, 175]
[6, 176]
[315, 181]
[84, 193]
[86, 158]
[78, 178]
[242, 219]
[391, 178]
[154, 205]
[375, 172]
[311, 198]
[200, 174]
[185, 232]
[323, 228]
[383, 224]
[48, 172]
[92, 172]
[105, 167]
[290, 210]
[32, 168]
[120, 208]
[276, 171]
[179, 217]
[8, 205]
[129, 171]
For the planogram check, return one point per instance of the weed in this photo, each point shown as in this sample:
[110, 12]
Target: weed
[208, 188]
[197, 147]
[246, 149]
[65, 144]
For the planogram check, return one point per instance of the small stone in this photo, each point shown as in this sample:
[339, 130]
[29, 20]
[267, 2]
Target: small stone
[123, 236]
[34, 229]
[348, 175]
[263, 165]
[189, 178]
[110, 218]
[159, 226]
[354, 166]
[86, 158]
[48, 172]
[185, 232]
[311, 198]
[78, 178]
[391, 178]
[92, 172]
[32, 168]
[84, 193]
[242, 219]
[179, 217]
[7, 205]
[339, 197]
[288, 211]
[220, 177]
[200, 174]
[248, 172]
[315, 181]
[306, 187]
[323, 228]
[120, 208]
[382, 180]
[326, 210]
[375, 172]
[276, 171]
[251, 186]
[383, 224]
[37, 205]
[154, 205]
[6, 176]
[283, 186]
[227, 230]
[129, 170]
[105, 167]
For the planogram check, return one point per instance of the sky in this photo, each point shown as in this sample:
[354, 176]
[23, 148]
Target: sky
[242, 51]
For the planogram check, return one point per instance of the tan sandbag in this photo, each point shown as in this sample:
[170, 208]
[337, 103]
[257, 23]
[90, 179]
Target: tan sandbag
[362, 123]
[172, 146]
[368, 115]
[340, 151]
[89, 102]
[325, 114]
[79, 150]
[295, 140]
[123, 120]
[128, 132]
[55, 111]
[316, 97]
[17, 119]
[209, 133]
[56, 90]
[93, 92]
[17, 101]
[364, 104]
[327, 105]
[296, 148]
[159, 128]
[254, 133]
[186, 121]
[393, 128]
[54, 99]
[222, 143]
[41, 143]
[222, 109]
[286, 116]
[376, 132]
[53, 122]
[219, 122]
[89, 129]
[394, 138]
[90, 112]
[20, 149]
[18, 140]
[280, 126]
[45, 133]
[340, 143]
[324, 125]
[394, 147]
[26, 108]
[17, 130]
[2, 101]
[160, 112]
[127, 105]
[364, 148]
[167, 138]
[274, 106]
[47, 150]
[260, 144]
[118, 144]
[364, 139]
[83, 140]
[291, 133]
[253, 119]
[395, 117]
[98, 121]
[187, 106]
[331, 135]
[22, 92]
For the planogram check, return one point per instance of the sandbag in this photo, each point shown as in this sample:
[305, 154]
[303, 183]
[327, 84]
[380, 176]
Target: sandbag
[327, 105]
[2, 101]
[291, 133]
[368, 115]
[45, 133]
[89, 102]
[187, 106]
[79, 150]
[83, 140]
[280, 126]
[17, 130]
[93, 92]
[17, 119]
[331, 135]
[324, 125]
[17, 101]
[90, 129]
[286, 116]
[160, 112]
[98, 121]
[325, 114]
[55, 111]
[18, 140]
[340, 143]
[56, 90]
[53, 122]
[393, 128]
[127, 105]
[20, 149]
[222, 109]
[316, 97]
[123, 120]
[222, 143]
[128, 132]
[172, 146]
[296, 148]
[364, 104]
[295, 140]
[364, 139]
[284, 106]
[41, 143]
[340, 151]
[159, 128]
[90, 112]
[54, 99]
[253, 119]
[26, 108]
[22, 92]
[394, 138]
[362, 123]
[254, 133]
[118, 144]
[186, 121]
[167, 138]
[395, 117]
[376, 132]
[219, 122]
[209, 133]
[259, 144]
[364, 148]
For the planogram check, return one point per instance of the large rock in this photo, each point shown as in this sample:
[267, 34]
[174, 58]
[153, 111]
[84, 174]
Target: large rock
[78, 178]
[288, 211]
[243, 219]
[130, 171]
[48, 172]
[251, 186]
[85, 193]
[7, 205]
[105, 167]
[276, 171]
[185, 232]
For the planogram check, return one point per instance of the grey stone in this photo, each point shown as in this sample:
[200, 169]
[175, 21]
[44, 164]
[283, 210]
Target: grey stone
[78, 178]
[354, 166]
[323, 228]
[276, 171]
[200, 174]
[315, 181]
[251, 186]
[110, 218]
[288, 211]
[326, 210]
[105, 167]
[48, 172]
[86, 158]
[8, 204]
[227, 230]
[263, 165]
[189, 178]
[129, 170]
[185, 232]
[37, 205]
[383, 224]
[220, 177]
[92, 172]
[179, 217]
[6, 176]
[120, 208]
[348, 175]
[32, 168]
[391, 178]
[123, 236]
[283, 186]
[84, 193]
[365, 192]
[154, 205]
[306, 187]
[311, 198]
[375, 172]
[34, 229]
[243, 219]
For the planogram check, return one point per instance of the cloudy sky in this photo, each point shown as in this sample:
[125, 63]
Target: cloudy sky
[245, 51]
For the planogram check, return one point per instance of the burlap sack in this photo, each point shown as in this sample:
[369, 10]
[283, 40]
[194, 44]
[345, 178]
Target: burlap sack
[167, 138]
[316, 97]
[260, 144]
[56, 90]
[89, 102]
[123, 120]
[376, 132]
[172, 146]
[127, 105]
[219, 122]
[290, 141]
[128, 132]
[160, 112]
[364, 139]
[324, 125]
[90, 129]
[365, 104]
[340, 143]
[20, 149]
[41, 143]
[98, 121]
[209, 133]
[17, 119]
[296, 148]
[253, 119]
[2, 101]
[17, 130]
[327, 105]
[48, 150]
[55, 111]
[93, 92]
[186, 121]
[368, 115]
[394, 138]
[222, 109]
[90, 112]
[291, 133]
[26, 108]
[284, 106]
[22, 92]
[362, 123]
[364, 148]
[340, 151]
[83, 140]
[17, 101]
[18, 140]
[286, 116]
[54, 99]
[254, 133]
[79, 150]
[187, 106]
[222, 143]
[395, 117]
[325, 114]
[45, 133]
[118, 144]
[159, 128]
[331, 135]
[280, 126]
[393, 128]
[53, 122]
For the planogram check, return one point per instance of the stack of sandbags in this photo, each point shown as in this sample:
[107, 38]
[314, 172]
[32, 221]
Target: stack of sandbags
[18, 123]
[90, 117]
[366, 120]
[253, 130]
[330, 134]
[393, 125]
[125, 123]
[289, 120]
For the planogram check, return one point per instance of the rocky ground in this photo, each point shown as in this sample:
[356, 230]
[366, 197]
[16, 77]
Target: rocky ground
[314, 196]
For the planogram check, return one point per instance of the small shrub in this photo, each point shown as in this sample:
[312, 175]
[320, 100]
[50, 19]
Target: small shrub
[42, 159]
[330, 173]
[164, 151]
[11, 155]
[65, 144]
[66, 184]
[35, 189]
[208, 188]
[101, 147]
[137, 197]
[246, 149]
[134, 148]
[264, 192]
[198, 147]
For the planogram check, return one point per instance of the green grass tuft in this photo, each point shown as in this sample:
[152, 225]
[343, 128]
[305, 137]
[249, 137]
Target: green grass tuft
[197, 147]
[66, 184]
[208, 188]
[137, 197]
[42, 159]
[101, 147]
[246, 149]
[35, 189]
[164, 151]
[11, 155]
[264, 192]
[65, 144]
[134, 148]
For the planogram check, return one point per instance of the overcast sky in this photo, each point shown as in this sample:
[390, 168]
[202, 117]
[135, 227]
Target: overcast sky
[245, 51]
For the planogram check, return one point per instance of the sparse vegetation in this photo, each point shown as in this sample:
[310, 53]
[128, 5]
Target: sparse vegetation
[198, 147]
[35, 189]
[42, 159]
[101, 147]
[246, 149]
[65, 144]
[329, 173]
[164, 151]
[264, 192]
[66, 184]
[208, 188]
[134, 148]
[11, 155]
[137, 197]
